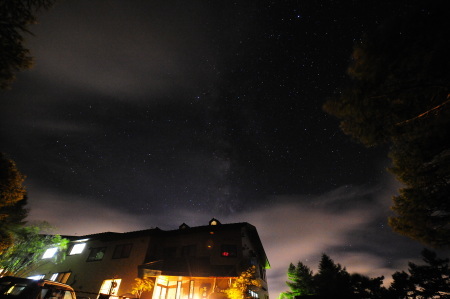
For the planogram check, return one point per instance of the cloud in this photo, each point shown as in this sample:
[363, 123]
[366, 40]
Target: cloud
[123, 50]
[294, 231]
[71, 215]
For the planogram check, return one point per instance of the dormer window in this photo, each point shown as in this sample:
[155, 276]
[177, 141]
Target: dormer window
[214, 221]
[184, 226]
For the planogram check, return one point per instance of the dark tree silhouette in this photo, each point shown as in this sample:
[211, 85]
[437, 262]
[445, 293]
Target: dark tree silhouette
[400, 96]
[365, 287]
[431, 280]
[331, 281]
[400, 287]
[15, 18]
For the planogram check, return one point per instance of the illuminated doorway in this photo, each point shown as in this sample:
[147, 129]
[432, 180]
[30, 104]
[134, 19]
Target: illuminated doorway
[110, 287]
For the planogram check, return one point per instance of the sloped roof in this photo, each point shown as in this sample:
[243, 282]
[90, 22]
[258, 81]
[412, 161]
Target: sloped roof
[253, 234]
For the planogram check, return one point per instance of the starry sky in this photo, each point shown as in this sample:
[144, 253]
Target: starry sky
[154, 113]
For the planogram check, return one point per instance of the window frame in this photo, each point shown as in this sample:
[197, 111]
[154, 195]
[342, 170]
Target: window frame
[49, 253]
[61, 277]
[94, 251]
[122, 251]
[77, 245]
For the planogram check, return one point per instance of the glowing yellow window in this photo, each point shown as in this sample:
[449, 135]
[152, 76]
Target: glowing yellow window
[110, 286]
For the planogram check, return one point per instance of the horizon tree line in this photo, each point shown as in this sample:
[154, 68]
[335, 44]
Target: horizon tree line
[430, 280]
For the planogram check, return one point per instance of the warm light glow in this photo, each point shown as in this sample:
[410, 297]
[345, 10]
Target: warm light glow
[82, 240]
[178, 294]
[110, 286]
[163, 280]
[49, 253]
[77, 248]
[209, 244]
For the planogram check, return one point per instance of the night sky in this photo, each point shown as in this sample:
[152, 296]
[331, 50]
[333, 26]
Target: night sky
[140, 114]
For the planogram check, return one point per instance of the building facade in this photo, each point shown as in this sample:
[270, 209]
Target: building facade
[187, 263]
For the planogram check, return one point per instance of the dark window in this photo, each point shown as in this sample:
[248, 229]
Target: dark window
[228, 251]
[262, 272]
[96, 254]
[189, 250]
[170, 252]
[122, 251]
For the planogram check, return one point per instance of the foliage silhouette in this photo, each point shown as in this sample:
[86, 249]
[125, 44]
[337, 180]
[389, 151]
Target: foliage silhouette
[431, 280]
[400, 96]
[331, 281]
[15, 18]
[12, 201]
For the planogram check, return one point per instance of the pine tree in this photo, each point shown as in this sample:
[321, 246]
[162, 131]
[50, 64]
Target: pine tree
[301, 281]
[431, 280]
[332, 280]
[400, 96]
[401, 286]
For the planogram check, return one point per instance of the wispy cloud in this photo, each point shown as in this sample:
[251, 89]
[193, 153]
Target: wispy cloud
[147, 54]
[79, 216]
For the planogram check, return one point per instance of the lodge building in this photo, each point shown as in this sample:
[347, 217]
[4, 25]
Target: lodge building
[186, 263]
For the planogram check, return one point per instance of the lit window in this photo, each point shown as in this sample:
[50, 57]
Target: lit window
[228, 251]
[178, 294]
[77, 248]
[214, 221]
[36, 277]
[110, 286]
[209, 244]
[191, 289]
[49, 253]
